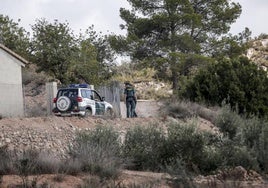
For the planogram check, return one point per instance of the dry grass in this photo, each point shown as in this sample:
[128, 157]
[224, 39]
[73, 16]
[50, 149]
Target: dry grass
[181, 109]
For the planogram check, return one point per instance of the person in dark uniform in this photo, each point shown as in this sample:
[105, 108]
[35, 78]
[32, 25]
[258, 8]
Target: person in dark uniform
[130, 100]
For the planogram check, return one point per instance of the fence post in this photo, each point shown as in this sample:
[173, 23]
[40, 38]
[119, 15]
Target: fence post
[51, 91]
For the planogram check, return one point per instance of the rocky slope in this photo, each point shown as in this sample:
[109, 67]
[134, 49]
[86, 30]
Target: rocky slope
[56, 134]
[258, 53]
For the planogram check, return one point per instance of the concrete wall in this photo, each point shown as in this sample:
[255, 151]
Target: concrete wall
[11, 95]
[51, 91]
[144, 108]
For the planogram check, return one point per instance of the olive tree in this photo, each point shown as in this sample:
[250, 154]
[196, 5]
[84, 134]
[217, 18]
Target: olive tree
[53, 48]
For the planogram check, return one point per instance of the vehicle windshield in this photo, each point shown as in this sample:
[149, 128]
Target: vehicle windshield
[70, 93]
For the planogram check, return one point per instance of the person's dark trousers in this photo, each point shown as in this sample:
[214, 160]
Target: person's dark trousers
[130, 105]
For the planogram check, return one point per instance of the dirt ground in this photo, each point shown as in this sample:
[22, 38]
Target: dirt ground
[52, 124]
[127, 178]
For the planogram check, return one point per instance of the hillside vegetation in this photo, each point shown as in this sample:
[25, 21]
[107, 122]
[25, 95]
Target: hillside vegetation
[212, 127]
[180, 144]
[172, 143]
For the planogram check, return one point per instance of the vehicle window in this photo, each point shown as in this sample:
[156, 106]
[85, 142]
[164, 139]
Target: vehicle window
[86, 93]
[96, 96]
[83, 93]
[89, 94]
[73, 93]
[68, 93]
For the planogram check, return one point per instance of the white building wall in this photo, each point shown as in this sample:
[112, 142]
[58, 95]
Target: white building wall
[11, 95]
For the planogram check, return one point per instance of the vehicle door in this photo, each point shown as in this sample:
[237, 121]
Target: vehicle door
[100, 106]
[88, 99]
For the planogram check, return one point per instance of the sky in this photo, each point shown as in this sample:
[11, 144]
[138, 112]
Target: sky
[104, 14]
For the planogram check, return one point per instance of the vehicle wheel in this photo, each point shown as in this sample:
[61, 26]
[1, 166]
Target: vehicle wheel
[63, 103]
[88, 112]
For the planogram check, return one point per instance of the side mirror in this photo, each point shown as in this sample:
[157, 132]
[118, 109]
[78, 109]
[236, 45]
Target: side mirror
[103, 98]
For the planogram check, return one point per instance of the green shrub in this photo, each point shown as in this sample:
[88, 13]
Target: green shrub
[242, 156]
[36, 162]
[30, 75]
[98, 151]
[181, 177]
[178, 109]
[248, 147]
[254, 135]
[211, 159]
[262, 148]
[251, 131]
[234, 154]
[6, 161]
[70, 166]
[46, 163]
[143, 146]
[228, 122]
[26, 164]
[186, 109]
[242, 83]
[149, 148]
[185, 142]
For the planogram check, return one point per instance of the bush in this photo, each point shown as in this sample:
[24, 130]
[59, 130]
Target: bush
[143, 147]
[149, 148]
[211, 159]
[186, 109]
[241, 83]
[179, 173]
[254, 137]
[36, 162]
[98, 152]
[71, 166]
[29, 75]
[234, 154]
[251, 131]
[228, 122]
[178, 109]
[186, 143]
[47, 163]
[262, 148]
[26, 165]
[6, 161]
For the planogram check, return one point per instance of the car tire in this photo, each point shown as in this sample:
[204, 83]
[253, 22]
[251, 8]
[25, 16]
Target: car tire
[88, 112]
[63, 104]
